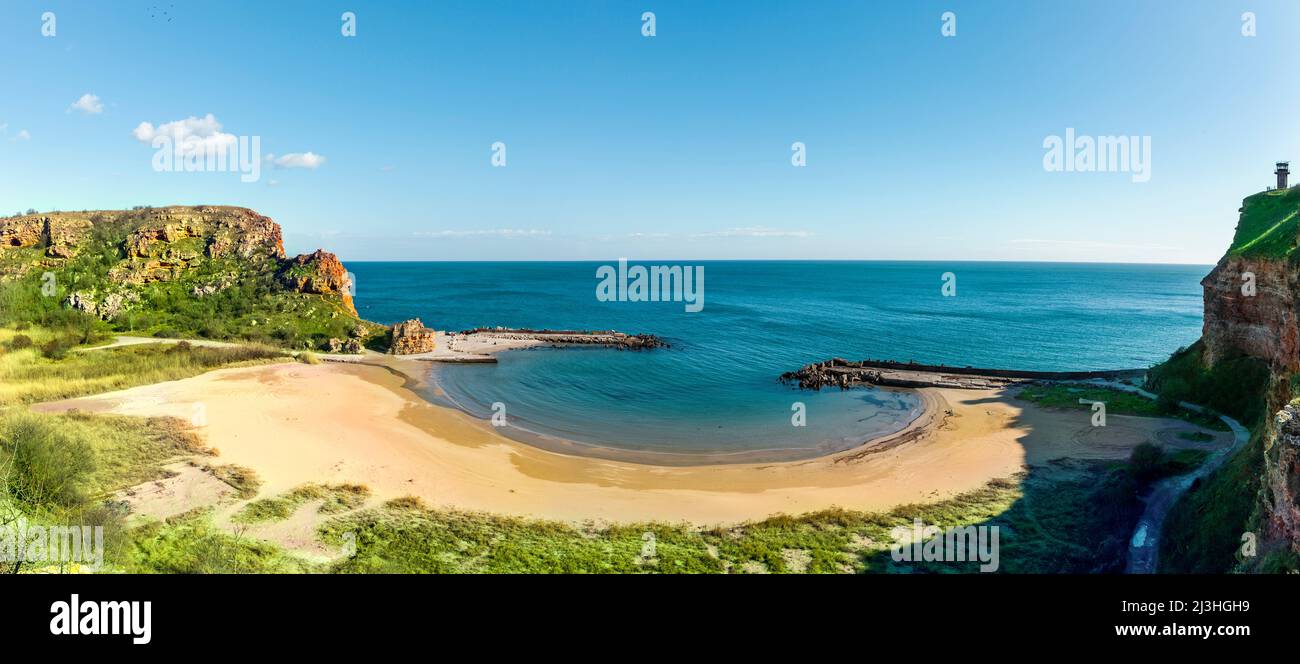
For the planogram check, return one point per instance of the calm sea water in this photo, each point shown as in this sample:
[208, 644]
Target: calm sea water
[715, 391]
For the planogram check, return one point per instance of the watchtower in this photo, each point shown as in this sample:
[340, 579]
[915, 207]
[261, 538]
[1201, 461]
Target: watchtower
[1281, 173]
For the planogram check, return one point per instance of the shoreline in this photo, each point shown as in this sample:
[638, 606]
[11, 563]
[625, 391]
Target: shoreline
[560, 445]
[484, 349]
[355, 423]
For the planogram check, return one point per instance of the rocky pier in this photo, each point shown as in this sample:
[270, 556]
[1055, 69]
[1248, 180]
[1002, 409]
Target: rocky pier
[844, 374]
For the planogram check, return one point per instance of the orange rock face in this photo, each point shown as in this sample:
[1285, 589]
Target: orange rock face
[410, 337]
[1262, 325]
[319, 273]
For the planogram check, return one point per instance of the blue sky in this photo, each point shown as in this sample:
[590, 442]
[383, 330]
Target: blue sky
[676, 146]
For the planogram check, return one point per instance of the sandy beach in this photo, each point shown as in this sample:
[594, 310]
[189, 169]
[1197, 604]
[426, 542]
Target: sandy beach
[335, 422]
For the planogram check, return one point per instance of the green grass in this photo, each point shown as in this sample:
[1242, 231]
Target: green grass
[1268, 225]
[1235, 386]
[191, 544]
[336, 498]
[1072, 519]
[1118, 402]
[1203, 531]
[26, 376]
[117, 451]
[1067, 395]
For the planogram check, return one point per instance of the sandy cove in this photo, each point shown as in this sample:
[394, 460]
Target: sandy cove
[335, 422]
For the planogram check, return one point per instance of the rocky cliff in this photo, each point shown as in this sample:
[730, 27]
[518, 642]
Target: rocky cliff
[1251, 298]
[181, 269]
[1250, 308]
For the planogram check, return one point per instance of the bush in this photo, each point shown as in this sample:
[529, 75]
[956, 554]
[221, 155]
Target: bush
[47, 466]
[1146, 461]
[22, 325]
[55, 349]
[20, 341]
[165, 333]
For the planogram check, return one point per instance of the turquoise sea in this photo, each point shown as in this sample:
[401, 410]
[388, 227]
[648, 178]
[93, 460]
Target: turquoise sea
[714, 394]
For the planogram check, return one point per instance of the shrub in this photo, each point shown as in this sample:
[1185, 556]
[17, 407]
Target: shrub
[1146, 461]
[20, 341]
[47, 466]
[55, 349]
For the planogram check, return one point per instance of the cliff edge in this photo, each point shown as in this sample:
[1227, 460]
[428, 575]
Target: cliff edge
[210, 271]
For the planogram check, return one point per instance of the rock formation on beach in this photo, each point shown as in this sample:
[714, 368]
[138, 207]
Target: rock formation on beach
[841, 373]
[411, 337]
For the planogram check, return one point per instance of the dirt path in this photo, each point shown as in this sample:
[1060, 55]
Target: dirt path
[136, 341]
[1144, 546]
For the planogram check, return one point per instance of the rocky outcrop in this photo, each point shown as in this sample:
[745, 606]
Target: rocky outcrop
[607, 338]
[319, 273]
[841, 373]
[411, 337]
[1262, 324]
[207, 248]
[25, 231]
[351, 346]
[1282, 476]
[58, 232]
[106, 307]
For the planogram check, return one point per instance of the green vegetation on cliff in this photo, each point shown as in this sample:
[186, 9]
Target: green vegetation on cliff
[1235, 386]
[1203, 531]
[209, 272]
[1269, 223]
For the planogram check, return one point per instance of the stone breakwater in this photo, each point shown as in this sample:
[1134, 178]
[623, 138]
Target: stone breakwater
[844, 374]
[608, 338]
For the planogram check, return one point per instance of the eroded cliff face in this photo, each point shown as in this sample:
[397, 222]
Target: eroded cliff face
[1261, 325]
[320, 273]
[1282, 477]
[1251, 299]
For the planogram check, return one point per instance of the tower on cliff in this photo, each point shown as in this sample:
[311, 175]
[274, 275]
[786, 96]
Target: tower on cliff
[1281, 173]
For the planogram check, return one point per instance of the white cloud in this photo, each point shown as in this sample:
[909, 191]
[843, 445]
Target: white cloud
[1092, 244]
[496, 232]
[21, 136]
[754, 231]
[297, 160]
[202, 136]
[88, 104]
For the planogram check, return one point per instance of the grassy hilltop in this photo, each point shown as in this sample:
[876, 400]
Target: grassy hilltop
[1269, 223]
[206, 271]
